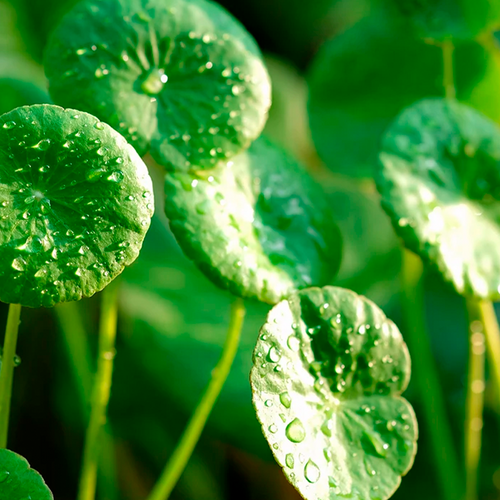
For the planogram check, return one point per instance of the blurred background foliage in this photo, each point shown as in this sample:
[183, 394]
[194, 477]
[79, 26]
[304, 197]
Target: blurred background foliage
[363, 64]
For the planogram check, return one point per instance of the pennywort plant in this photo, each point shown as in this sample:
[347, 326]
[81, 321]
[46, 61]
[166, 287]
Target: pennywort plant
[182, 81]
[186, 86]
[76, 205]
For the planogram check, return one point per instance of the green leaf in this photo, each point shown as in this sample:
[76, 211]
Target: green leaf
[440, 183]
[179, 78]
[444, 19]
[355, 90]
[258, 226]
[329, 369]
[18, 481]
[75, 204]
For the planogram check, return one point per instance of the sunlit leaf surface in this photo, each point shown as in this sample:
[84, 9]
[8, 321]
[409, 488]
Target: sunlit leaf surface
[329, 369]
[75, 204]
[440, 183]
[259, 225]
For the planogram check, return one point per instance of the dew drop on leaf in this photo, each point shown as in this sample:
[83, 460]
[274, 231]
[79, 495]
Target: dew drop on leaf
[311, 471]
[295, 431]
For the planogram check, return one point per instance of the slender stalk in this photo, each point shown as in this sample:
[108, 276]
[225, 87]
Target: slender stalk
[448, 74]
[75, 337]
[475, 398]
[427, 380]
[100, 393]
[492, 335]
[187, 443]
[7, 370]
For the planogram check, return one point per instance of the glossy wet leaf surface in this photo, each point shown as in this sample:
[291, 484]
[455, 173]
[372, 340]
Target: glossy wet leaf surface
[259, 226]
[440, 183]
[179, 78]
[18, 481]
[329, 369]
[75, 204]
[444, 19]
[355, 91]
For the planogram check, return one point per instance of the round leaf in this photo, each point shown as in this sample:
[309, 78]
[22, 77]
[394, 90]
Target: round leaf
[259, 226]
[440, 183]
[348, 116]
[329, 369]
[444, 19]
[18, 481]
[178, 78]
[75, 205]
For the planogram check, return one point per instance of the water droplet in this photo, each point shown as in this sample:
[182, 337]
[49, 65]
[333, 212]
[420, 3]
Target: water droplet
[331, 482]
[293, 343]
[42, 145]
[295, 431]
[4, 475]
[17, 360]
[273, 429]
[18, 264]
[311, 471]
[154, 81]
[285, 399]
[273, 355]
[373, 445]
[9, 125]
[268, 403]
[116, 176]
[289, 460]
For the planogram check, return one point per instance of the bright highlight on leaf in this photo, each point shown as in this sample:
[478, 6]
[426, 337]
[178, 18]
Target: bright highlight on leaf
[329, 369]
[440, 183]
[259, 226]
[18, 481]
[75, 204]
[179, 78]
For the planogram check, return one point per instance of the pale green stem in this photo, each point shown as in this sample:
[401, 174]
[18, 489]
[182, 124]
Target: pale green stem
[7, 370]
[187, 443]
[75, 338]
[427, 380]
[492, 335]
[475, 398]
[100, 393]
[448, 74]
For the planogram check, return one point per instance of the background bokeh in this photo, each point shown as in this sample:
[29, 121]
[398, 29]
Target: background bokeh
[173, 320]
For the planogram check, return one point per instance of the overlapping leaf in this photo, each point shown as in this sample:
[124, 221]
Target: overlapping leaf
[177, 77]
[259, 226]
[361, 79]
[329, 369]
[440, 182]
[75, 205]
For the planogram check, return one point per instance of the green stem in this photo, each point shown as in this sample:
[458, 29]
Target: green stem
[448, 75]
[492, 335]
[427, 380]
[75, 337]
[7, 370]
[475, 398]
[100, 394]
[187, 443]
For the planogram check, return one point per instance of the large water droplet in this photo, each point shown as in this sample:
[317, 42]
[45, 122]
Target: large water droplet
[295, 431]
[42, 145]
[273, 355]
[311, 471]
[285, 399]
[154, 82]
[289, 460]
